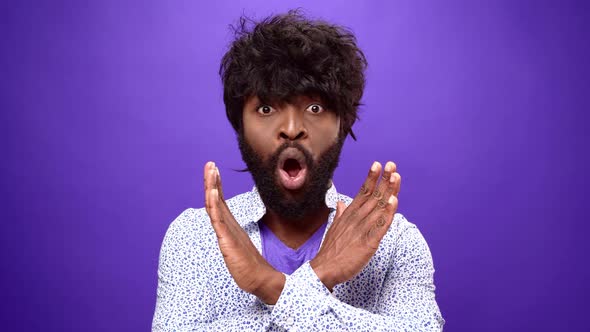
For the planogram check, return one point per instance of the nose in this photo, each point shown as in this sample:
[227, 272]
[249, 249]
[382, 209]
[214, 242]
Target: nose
[293, 127]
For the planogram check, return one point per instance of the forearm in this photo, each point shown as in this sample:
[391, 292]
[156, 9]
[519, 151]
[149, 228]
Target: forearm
[306, 304]
[270, 287]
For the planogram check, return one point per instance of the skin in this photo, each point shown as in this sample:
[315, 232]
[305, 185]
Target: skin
[356, 232]
[315, 128]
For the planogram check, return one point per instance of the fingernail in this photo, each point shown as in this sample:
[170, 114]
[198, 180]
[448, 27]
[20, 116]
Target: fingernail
[374, 167]
[388, 166]
[217, 170]
[392, 178]
[390, 200]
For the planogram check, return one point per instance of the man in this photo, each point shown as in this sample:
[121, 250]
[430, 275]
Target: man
[293, 254]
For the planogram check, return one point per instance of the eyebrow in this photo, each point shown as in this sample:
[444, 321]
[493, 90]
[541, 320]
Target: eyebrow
[293, 100]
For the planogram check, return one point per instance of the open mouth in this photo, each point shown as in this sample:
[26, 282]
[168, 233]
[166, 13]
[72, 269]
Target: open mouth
[292, 169]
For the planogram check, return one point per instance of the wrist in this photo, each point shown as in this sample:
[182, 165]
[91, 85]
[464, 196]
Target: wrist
[323, 274]
[271, 286]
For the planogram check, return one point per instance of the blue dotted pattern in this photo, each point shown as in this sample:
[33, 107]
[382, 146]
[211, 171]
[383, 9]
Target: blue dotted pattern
[394, 292]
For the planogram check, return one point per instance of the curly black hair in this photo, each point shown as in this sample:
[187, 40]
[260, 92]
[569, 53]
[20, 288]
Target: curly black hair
[287, 55]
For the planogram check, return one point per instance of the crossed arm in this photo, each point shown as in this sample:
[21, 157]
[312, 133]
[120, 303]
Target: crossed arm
[348, 246]
[406, 301]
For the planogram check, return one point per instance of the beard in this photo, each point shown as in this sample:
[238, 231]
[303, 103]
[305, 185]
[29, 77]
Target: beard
[295, 205]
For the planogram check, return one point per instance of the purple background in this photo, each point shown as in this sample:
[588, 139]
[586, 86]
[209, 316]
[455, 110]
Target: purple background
[110, 110]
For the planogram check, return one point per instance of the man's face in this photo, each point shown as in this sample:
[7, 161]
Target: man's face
[292, 150]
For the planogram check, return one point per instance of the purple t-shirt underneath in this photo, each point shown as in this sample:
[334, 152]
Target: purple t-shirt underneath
[286, 259]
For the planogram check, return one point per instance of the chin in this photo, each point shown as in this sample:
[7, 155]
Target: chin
[291, 183]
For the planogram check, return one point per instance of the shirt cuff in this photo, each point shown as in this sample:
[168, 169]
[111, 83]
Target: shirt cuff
[303, 299]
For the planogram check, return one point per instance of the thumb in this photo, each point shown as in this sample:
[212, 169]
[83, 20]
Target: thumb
[340, 207]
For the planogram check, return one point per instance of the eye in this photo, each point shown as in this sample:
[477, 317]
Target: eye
[265, 110]
[315, 108]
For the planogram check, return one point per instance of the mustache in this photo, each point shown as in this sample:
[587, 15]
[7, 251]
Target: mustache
[274, 160]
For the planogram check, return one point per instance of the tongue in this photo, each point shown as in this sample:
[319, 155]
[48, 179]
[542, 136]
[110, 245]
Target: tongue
[292, 167]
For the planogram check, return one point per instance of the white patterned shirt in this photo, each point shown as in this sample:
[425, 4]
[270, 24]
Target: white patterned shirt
[394, 292]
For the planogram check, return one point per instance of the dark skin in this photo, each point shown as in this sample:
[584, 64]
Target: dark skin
[267, 127]
[357, 230]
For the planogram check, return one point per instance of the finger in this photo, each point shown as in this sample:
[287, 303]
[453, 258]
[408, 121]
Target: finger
[382, 192]
[210, 180]
[385, 187]
[396, 180]
[210, 205]
[206, 175]
[218, 184]
[212, 199]
[379, 222]
[368, 186]
[206, 181]
[222, 211]
[214, 214]
[221, 204]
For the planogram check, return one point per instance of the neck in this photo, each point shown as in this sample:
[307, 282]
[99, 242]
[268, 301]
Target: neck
[294, 233]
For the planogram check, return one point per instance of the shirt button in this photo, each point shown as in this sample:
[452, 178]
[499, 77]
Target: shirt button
[289, 321]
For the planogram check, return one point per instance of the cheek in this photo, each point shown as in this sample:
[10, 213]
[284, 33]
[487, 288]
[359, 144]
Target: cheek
[257, 136]
[327, 130]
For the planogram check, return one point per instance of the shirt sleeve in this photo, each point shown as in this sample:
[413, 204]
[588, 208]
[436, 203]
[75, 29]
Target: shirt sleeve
[182, 292]
[407, 300]
[185, 298]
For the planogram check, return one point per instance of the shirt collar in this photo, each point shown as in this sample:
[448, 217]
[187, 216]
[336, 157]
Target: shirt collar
[259, 209]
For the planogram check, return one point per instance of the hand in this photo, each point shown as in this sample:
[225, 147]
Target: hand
[357, 230]
[250, 270]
